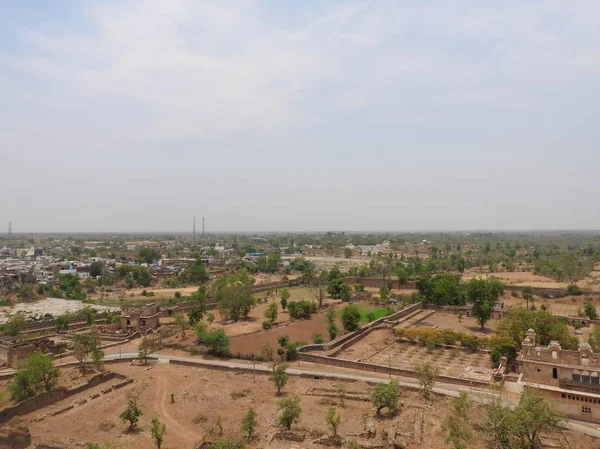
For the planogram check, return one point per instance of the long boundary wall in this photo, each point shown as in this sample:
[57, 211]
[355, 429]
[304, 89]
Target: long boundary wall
[45, 399]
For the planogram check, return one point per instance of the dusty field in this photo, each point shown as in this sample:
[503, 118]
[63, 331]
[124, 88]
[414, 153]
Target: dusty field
[450, 321]
[381, 348]
[518, 278]
[302, 331]
[205, 398]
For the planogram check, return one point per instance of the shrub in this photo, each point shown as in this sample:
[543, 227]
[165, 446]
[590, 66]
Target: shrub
[350, 317]
[386, 395]
[267, 325]
[370, 317]
[289, 411]
[430, 345]
[318, 339]
[574, 290]
[301, 309]
[217, 341]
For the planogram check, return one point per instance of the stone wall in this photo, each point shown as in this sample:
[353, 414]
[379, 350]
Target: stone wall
[346, 338]
[45, 399]
[351, 364]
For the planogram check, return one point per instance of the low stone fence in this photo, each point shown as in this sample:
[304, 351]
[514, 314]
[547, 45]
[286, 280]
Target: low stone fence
[45, 399]
[351, 364]
[362, 330]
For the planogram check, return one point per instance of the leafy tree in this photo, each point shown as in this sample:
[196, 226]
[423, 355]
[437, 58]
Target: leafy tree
[147, 254]
[196, 313]
[142, 276]
[289, 411]
[216, 340]
[284, 293]
[350, 317]
[195, 274]
[502, 346]
[427, 374]
[86, 345]
[386, 395]
[533, 415]
[319, 287]
[158, 432]
[62, 322]
[14, 325]
[89, 314]
[132, 413]
[384, 293]
[528, 295]
[37, 374]
[146, 348]
[27, 291]
[402, 276]
[547, 327]
[333, 420]
[179, 320]
[249, 423]
[442, 289]
[331, 327]
[236, 301]
[210, 318]
[96, 269]
[280, 376]
[338, 289]
[271, 312]
[589, 310]
[457, 425]
[483, 294]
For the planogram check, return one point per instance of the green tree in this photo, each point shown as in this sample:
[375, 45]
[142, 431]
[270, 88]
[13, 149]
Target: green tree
[216, 340]
[350, 317]
[27, 291]
[402, 276]
[14, 325]
[338, 289]
[62, 321]
[589, 310]
[158, 431]
[236, 301]
[483, 294]
[271, 312]
[333, 420]
[37, 374]
[147, 254]
[457, 425]
[289, 411]
[427, 374]
[96, 269]
[249, 423]
[195, 274]
[132, 413]
[280, 376]
[331, 326]
[528, 295]
[284, 293]
[142, 276]
[533, 415]
[179, 320]
[386, 395]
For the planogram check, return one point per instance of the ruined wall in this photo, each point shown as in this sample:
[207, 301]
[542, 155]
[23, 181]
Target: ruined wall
[351, 364]
[45, 399]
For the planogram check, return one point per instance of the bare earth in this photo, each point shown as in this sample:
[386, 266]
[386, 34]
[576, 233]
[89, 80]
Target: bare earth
[204, 398]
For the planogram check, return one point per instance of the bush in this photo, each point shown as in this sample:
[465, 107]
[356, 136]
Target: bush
[430, 345]
[577, 324]
[318, 339]
[301, 309]
[574, 290]
[370, 317]
[386, 395]
[267, 325]
[350, 317]
[217, 341]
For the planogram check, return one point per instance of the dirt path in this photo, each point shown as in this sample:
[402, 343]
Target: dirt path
[162, 405]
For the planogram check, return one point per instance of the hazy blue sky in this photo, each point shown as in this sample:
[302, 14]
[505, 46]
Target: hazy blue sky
[299, 115]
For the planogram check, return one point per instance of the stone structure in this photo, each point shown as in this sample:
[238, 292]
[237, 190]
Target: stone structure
[13, 351]
[569, 380]
[141, 318]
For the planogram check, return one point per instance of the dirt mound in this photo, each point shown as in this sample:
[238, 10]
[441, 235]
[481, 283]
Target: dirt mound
[15, 437]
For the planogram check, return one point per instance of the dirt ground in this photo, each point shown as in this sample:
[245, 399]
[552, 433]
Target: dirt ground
[381, 348]
[450, 321]
[297, 331]
[205, 399]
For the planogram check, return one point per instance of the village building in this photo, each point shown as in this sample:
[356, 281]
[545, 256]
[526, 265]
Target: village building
[569, 380]
[142, 318]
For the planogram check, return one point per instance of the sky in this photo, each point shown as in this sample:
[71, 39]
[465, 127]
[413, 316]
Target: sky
[299, 116]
